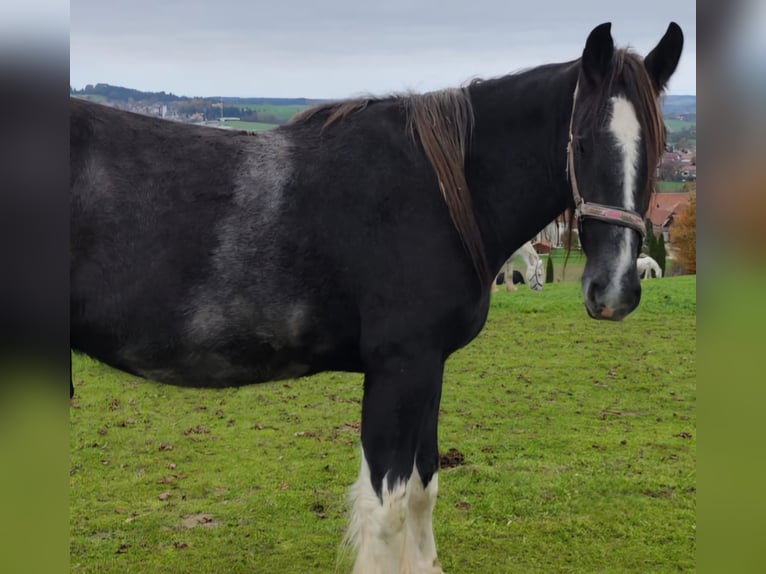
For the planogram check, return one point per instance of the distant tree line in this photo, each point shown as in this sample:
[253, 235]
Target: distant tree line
[685, 236]
[681, 138]
[674, 106]
[273, 101]
[208, 107]
[120, 94]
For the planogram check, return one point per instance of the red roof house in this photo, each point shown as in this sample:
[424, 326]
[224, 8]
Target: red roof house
[664, 208]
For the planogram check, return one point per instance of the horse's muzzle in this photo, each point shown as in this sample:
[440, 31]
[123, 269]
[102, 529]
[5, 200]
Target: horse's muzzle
[610, 304]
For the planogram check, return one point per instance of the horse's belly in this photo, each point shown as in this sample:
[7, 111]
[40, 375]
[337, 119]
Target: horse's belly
[216, 369]
[247, 361]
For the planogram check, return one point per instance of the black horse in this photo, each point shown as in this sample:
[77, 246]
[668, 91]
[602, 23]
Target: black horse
[186, 242]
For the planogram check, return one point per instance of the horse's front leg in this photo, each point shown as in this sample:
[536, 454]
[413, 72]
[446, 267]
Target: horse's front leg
[392, 502]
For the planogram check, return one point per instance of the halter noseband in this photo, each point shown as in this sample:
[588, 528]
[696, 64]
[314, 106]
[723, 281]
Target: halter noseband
[607, 213]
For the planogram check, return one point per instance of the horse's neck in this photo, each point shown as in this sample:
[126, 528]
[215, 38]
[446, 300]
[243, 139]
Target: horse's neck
[516, 164]
[527, 254]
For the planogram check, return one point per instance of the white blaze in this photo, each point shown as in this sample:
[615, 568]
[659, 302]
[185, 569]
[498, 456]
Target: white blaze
[626, 130]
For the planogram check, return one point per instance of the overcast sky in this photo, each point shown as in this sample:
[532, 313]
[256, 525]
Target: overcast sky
[343, 48]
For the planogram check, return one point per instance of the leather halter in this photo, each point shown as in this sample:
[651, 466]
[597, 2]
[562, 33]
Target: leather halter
[583, 209]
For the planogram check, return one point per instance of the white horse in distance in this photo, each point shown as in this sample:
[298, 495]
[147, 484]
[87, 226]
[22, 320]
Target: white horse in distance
[535, 273]
[645, 265]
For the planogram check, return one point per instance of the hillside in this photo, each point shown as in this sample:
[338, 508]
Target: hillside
[675, 106]
[256, 112]
[121, 94]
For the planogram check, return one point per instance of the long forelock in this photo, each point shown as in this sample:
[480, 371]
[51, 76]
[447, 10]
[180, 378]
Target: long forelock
[629, 73]
[646, 101]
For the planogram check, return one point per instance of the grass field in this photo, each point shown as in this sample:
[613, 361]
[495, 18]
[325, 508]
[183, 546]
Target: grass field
[670, 186]
[674, 125]
[282, 112]
[250, 126]
[572, 271]
[579, 440]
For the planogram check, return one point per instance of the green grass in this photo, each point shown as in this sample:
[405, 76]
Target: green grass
[670, 186]
[249, 126]
[674, 125]
[579, 440]
[575, 265]
[575, 256]
[281, 112]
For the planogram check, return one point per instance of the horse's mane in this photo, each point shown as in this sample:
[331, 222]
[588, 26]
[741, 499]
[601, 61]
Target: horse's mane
[442, 122]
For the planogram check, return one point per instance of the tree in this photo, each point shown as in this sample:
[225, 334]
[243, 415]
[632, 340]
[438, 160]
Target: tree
[661, 253]
[685, 237]
[654, 246]
[649, 240]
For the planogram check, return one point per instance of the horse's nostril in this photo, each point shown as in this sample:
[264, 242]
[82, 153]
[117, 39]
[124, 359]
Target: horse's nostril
[594, 288]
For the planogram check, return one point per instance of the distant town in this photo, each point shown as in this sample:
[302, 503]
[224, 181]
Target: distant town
[219, 111]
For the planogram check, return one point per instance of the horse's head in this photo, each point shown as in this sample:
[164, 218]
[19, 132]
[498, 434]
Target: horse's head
[617, 138]
[536, 275]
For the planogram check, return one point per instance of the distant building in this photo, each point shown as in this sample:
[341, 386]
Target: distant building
[689, 172]
[664, 208]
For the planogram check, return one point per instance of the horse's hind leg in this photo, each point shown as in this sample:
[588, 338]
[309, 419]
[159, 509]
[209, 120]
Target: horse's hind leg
[509, 286]
[393, 498]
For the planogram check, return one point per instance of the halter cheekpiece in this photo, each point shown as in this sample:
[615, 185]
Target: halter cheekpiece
[583, 209]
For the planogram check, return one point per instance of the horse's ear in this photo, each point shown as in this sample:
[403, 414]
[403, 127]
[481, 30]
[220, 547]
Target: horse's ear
[597, 56]
[662, 61]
